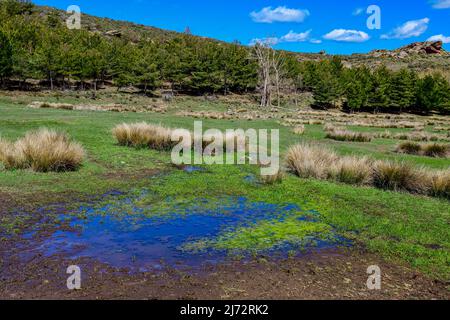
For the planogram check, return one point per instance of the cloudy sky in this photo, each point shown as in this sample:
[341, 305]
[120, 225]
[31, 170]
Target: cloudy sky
[338, 27]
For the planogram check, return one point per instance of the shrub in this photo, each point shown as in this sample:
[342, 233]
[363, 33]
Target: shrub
[43, 150]
[140, 135]
[399, 176]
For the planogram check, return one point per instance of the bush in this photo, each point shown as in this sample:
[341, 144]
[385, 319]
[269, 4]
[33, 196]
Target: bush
[43, 150]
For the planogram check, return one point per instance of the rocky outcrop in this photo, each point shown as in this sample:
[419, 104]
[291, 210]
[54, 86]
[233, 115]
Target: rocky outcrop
[416, 48]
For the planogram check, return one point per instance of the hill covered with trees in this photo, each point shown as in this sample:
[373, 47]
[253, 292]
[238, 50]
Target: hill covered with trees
[36, 46]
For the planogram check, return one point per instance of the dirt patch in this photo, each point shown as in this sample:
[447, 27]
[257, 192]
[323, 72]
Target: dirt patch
[326, 275]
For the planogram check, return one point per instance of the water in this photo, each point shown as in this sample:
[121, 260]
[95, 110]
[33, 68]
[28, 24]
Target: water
[139, 241]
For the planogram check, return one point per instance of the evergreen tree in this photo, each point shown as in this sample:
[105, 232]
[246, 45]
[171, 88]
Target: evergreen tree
[5, 57]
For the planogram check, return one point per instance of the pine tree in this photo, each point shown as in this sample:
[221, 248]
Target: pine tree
[6, 61]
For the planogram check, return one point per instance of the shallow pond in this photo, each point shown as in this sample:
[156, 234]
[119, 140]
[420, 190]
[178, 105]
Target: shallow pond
[121, 232]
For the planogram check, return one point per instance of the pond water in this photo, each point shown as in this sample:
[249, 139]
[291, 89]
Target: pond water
[121, 232]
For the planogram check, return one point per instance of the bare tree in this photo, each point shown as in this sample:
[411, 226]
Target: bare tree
[271, 71]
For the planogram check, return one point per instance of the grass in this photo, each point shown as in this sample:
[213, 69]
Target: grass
[341, 134]
[434, 150]
[401, 227]
[43, 151]
[140, 135]
[308, 161]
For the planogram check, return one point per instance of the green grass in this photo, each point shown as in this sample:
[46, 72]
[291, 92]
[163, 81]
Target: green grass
[400, 227]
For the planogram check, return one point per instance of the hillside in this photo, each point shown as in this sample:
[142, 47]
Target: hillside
[423, 57]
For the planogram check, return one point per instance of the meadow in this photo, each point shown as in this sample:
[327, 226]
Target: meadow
[402, 227]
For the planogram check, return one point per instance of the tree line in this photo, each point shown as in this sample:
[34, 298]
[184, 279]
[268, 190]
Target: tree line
[376, 90]
[43, 48]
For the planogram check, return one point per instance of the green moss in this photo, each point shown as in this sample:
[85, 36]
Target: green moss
[268, 234]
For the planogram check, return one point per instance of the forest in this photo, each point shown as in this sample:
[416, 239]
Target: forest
[42, 48]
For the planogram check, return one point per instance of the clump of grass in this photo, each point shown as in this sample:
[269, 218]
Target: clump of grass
[300, 130]
[143, 135]
[399, 176]
[409, 148]
[352, 170]
[436, 150]
[440, 184]
[272, 179]
[310, 162]
[342, 134]
[430, 150]
[43, 151]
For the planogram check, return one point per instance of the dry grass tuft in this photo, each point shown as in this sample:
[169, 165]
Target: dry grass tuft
[352, 170]
[436, 150]
[399, 176]
[310, 162]
[342, 134]
[143, 135]
[430, 150]
[272, 179]
[43, 151]
[300, 130]
[440, 184]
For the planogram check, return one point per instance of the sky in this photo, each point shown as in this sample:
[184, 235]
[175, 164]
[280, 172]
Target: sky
[338, 27]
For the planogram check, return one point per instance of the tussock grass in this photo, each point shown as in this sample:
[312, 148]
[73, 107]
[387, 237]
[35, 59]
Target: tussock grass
[299, 129]
[272, 179]
[440, 184]
[143, 135]
[307, 161]
[310, 162]
[434, 150]
[342, 134]
[352, 170]
[399, 176]
[43, 150]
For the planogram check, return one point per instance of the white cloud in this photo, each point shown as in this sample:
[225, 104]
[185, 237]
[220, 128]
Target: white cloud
[271, 41]
[296, 37]
[279, 14]
[291, 36]
[439, 37]
[347, 35]
[409, 29]
[357, 11]
[441, 4]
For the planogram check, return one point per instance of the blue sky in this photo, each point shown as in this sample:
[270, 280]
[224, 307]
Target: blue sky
[338, 27]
